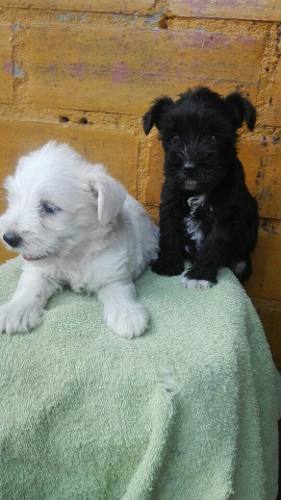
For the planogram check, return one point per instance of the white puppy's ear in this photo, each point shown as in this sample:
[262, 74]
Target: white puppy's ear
[110, 194]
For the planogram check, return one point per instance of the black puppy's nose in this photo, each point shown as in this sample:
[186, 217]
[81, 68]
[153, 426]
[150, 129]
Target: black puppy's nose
[188, 165]
[12, 238]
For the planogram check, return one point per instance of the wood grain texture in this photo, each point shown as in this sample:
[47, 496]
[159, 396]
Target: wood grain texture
[6, 64]
[273, 105]
[123, 70]
[270, 314]
[115, 6]
[263, 10]
[265, 281]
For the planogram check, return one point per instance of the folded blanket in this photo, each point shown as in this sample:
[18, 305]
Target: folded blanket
[188, 411]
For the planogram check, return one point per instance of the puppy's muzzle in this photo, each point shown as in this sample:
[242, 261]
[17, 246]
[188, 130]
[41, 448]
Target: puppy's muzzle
[12, 239]
[187, 166]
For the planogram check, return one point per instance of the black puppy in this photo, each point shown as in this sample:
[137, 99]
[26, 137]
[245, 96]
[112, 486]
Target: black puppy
[207, 214]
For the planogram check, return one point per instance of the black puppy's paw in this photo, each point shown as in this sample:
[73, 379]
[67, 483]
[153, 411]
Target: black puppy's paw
[191, 281]
[165, 267]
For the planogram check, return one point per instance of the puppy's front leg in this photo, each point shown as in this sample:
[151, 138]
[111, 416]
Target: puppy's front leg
[170, 261]
[122, 313]
[205, 265]
[24, 311]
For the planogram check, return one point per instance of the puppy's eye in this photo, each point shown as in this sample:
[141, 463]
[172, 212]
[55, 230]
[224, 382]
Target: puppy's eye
[47, 208]
[175, 139]
[214, 138]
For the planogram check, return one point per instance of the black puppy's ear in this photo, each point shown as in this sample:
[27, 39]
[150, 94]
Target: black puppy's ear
[152, 117]
[240, 109]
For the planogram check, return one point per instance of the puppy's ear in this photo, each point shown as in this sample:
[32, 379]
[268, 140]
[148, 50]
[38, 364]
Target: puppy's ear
[110, 196]
[240, 109]
[154, 114]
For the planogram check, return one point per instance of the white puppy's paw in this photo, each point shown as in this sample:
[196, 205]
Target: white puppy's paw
[193, 284]
[128, 322]
[16, 317]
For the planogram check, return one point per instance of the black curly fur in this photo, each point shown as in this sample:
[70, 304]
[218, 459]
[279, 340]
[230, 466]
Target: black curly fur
[198, 134]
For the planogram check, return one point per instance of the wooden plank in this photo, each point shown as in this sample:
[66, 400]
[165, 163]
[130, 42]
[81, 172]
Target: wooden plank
[123, 70]
[116, 6]
[270, 313]
[6, 64]
[264, 10]
[273, 105]
[265, 281]
[261, 157]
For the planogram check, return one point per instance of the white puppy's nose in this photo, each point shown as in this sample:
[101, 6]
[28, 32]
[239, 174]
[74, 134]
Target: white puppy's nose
[12, 239]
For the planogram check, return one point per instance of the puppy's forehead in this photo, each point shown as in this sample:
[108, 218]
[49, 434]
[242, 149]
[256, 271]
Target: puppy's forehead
[34, 182]
[35, 178]
[201, 98]
[185, 119]
[200, 105]
[37, 168]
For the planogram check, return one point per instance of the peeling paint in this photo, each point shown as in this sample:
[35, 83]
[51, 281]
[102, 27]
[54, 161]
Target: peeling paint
[203, 39]
[154, 19]
[238, 9]
[13, 69]
[16, 27]
[66, 16]
[8, 67]
[77, 70]
[72, 16]
[120, 72]
[17, 71]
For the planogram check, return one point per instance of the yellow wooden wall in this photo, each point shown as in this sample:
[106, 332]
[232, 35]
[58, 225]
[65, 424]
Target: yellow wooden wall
[84, 71]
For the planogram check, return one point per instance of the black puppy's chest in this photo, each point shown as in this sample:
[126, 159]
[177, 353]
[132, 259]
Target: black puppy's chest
[197, 221]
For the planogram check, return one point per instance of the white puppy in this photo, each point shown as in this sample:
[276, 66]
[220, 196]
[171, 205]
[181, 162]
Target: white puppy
[74, 225]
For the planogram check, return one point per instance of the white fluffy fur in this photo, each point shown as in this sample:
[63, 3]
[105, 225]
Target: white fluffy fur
[98, 241]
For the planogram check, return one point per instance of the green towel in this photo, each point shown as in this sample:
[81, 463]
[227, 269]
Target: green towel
[188, 411]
